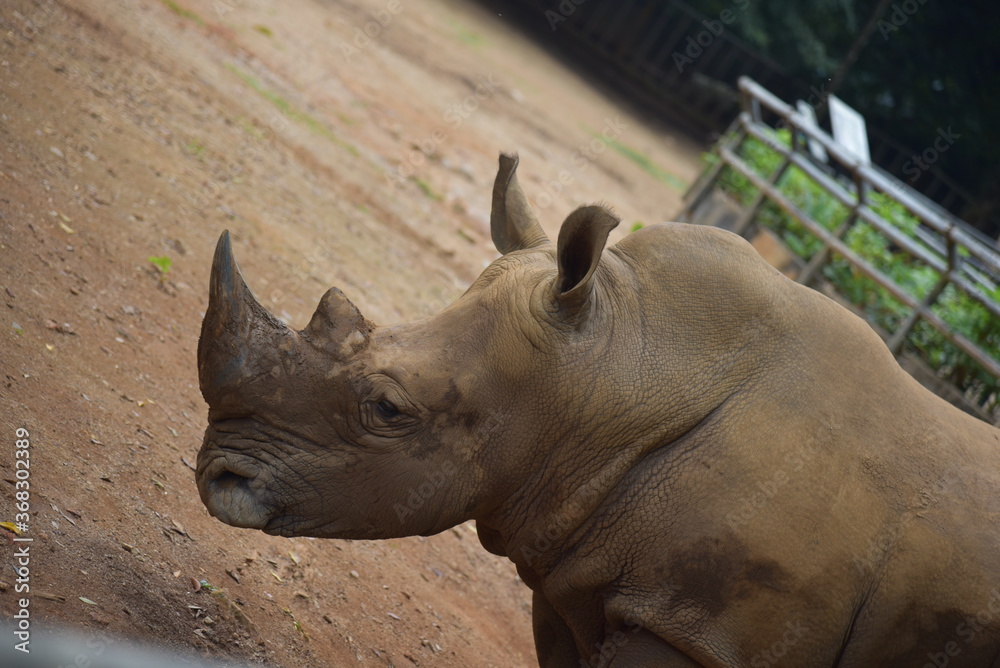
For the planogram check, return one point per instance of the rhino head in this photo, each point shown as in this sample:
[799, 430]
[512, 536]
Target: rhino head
[532, 379]
[602, 414]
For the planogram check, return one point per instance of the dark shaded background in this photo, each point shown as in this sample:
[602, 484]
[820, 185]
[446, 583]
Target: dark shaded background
[916, 69]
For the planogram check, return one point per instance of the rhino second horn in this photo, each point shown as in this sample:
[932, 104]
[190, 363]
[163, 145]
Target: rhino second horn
[237, 334]
[513, 225]
[337, 326]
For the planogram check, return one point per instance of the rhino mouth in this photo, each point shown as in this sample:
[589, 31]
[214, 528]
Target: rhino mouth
[234, 492]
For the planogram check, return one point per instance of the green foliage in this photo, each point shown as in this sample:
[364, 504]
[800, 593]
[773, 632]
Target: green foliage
[291, 111]
[183, 12]
[647, 165]
[904, 80]
[162, 265]
[960, 311]
[195, 148]
[426, 189]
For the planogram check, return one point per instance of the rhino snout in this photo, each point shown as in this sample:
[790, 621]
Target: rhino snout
[235, 494]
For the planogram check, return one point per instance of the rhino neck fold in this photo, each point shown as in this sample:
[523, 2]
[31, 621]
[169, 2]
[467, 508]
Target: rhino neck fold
[537, 532]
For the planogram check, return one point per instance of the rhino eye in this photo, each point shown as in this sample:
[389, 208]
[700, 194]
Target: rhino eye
[386, 410]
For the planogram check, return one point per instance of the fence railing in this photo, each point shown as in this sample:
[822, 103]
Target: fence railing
[954, 251]
[685, 65]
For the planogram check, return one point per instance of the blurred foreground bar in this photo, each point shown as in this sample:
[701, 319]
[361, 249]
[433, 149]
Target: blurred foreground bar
[54, 647]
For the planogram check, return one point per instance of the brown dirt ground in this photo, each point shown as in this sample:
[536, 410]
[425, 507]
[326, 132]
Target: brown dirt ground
[138, 129]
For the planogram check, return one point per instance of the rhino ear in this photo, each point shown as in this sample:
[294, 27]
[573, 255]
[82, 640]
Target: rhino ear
[578, 251]
[513, 225]
[337, 326]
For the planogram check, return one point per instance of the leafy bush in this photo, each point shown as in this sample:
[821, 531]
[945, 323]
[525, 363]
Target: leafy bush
[962, 313]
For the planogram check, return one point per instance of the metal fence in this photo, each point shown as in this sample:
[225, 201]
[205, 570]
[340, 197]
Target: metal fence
[956, 252]
[686, 65]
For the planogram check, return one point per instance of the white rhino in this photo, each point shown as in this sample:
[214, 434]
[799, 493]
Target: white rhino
[692, 460]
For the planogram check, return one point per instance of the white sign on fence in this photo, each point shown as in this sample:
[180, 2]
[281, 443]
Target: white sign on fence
[815, 147]
[849, 129]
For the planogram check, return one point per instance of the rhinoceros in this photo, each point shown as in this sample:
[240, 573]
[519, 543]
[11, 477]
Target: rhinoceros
[691, 460]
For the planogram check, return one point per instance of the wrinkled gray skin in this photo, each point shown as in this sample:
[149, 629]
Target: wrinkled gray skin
[692, 460]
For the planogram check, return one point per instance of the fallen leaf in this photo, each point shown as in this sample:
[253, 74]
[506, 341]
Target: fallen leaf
[52, 597]
[10, 526]
[87, 600]
[66, 228]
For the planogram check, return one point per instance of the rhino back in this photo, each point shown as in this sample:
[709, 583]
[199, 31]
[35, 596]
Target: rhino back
[826, 490]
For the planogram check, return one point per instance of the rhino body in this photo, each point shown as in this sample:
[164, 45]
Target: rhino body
[692, 460]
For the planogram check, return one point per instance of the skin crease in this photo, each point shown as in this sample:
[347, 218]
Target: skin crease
[692, 460]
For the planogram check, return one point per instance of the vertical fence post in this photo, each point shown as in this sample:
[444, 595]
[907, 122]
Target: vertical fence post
[898, 338]
[822, 256]
[751, 211]
[702, 187]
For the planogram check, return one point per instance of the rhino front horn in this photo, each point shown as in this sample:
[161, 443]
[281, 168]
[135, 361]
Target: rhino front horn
[238, 335]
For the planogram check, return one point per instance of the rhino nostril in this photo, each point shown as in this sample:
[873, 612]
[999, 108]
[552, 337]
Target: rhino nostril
[229, 481]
